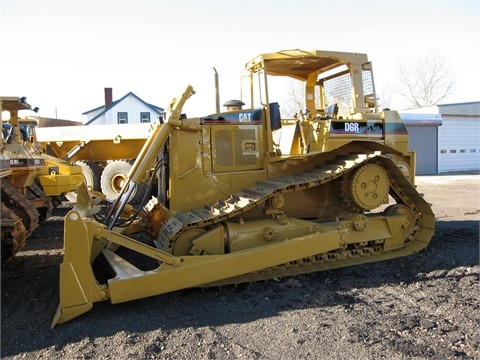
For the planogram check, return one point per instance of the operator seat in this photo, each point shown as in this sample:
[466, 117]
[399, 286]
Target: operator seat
[330, 112]
[275, 117]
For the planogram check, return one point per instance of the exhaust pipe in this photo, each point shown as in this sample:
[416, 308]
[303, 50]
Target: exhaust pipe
[217, 92]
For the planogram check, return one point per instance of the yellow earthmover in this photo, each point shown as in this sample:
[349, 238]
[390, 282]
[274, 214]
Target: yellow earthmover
[29, 179]
[253, 193]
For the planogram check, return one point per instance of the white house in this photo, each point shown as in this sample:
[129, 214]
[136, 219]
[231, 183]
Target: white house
[129, 109]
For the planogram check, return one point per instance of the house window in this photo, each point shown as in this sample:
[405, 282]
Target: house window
[122, 118]
[144, 117]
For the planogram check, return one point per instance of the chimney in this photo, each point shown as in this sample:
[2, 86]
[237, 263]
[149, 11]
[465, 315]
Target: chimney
[108, 97]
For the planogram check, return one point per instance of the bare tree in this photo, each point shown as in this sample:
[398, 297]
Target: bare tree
[426, 81]
[293, 100]
[385, 97]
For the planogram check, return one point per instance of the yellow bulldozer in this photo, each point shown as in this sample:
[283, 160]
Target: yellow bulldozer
[30, 179]
[253, 193]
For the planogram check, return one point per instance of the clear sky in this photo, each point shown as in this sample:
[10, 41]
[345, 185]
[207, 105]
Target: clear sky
[62, 54]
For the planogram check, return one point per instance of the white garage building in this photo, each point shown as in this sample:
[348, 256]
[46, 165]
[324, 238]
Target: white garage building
[459, 137]
[446, 137]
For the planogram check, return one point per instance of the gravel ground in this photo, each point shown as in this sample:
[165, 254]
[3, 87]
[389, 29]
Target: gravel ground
[425, 306]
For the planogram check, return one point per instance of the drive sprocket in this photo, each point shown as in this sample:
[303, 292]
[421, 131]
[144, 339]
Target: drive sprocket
[367, 187]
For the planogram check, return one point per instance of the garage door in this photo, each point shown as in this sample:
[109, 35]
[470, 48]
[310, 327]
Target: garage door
[423, 139]
[459, 145]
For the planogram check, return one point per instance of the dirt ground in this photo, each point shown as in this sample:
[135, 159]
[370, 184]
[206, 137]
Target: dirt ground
[424, 306]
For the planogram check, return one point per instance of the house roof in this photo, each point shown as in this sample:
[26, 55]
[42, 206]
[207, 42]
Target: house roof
[462, 103]
[154, 108]
[466, 109]
[463, 108]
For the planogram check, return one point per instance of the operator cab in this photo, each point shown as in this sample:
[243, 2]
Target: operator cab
[327, 99]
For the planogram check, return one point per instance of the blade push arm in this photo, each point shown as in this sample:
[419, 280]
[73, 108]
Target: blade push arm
[149, 153]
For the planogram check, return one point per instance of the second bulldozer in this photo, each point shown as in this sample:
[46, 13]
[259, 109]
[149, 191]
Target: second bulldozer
[30, 179]
[254, 193]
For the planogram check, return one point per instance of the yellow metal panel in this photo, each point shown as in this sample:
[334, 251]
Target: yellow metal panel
[59, 184]
[192, 182]
[236, 148]
[99, 150]
[206, 149]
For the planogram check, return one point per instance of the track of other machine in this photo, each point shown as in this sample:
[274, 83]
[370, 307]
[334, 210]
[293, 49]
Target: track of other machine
[20, 216]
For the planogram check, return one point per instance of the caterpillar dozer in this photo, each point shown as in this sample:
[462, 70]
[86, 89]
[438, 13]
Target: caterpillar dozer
[253, 194]
[30, 180]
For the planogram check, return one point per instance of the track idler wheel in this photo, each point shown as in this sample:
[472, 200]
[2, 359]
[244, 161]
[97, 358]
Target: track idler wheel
[367, 188]
[409, 227]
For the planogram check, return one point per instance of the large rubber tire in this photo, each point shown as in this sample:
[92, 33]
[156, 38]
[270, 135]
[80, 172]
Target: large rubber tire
[91, 174]
[114, 177]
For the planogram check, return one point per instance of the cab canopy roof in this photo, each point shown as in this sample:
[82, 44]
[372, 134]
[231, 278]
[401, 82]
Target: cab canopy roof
[12, 103]
[299, 64]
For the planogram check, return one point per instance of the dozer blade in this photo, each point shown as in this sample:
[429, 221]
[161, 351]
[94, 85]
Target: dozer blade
[78, 286]
[73, 299]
